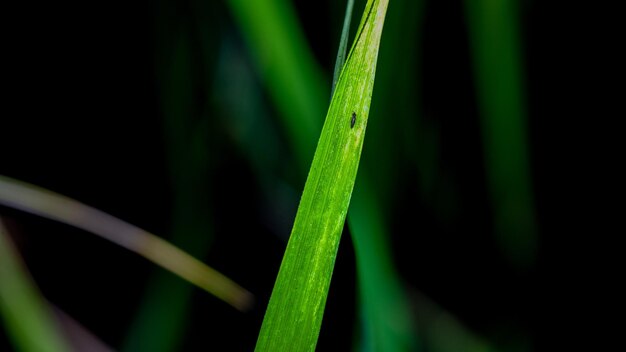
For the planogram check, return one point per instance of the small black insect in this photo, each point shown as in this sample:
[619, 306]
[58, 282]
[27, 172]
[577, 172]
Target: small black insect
[353, 121]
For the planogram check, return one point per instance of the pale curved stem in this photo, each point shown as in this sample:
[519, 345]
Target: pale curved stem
[45, 203]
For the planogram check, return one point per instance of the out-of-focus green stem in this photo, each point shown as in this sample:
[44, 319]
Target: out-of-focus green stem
[389, 324]
[294, 79]
[27, 316]
[496, 47]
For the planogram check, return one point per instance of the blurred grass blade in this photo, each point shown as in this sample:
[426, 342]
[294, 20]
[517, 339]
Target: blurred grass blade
[495, 38]
[27, 317]
[294, 315]
[294, 78]
[182, 71]
[388, 321]
[343, 44]
[54, 206]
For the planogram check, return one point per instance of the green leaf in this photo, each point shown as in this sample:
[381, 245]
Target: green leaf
[294, 315]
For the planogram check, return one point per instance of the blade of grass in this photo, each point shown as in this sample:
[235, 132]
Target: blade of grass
[27, 316]
[294, 78]
[294, 314]
[367, 282]
[388, 321]
[384, 306]
[161, 319]
[496, 48]
[38, 201]
[392, 324]
[343, 44]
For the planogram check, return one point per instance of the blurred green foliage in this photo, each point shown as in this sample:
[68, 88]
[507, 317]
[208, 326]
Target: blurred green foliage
[497, 52]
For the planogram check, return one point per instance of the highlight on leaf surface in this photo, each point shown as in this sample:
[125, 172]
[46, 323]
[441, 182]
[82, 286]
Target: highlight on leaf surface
[294, 315]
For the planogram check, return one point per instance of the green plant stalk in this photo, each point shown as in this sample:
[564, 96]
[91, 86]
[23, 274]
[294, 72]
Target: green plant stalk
[495, 39]
[27, 316]
[295, 80]
[294, 314]
[389, 325]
